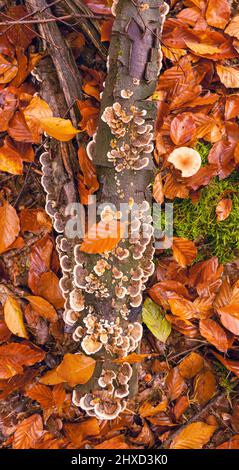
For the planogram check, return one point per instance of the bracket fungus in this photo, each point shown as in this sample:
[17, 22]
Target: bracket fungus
[185, 159]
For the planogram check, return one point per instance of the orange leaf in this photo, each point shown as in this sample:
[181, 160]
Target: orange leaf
[40, 261]
[147, 409]
[19, 130]
[223, 209]
[77, 432]
[191, 365]
[182, 129]
[9, 226]
[233, 366]
[233, 28]
[13, 317]
[218, 14]
[180, 407]
[184, 251]
[42, 394]
[158, 194]
[34, 220]
[214, 334]
[117, 442]
[134, 358]
[60, 129]
[193, 436]
[48, 287]
[103, 237]
[230, 322]
[229, 76]
[28, 432]
[37, 109]
[74, 369]
[42, 307]
[204, 387]
[91, 91]
[175, 383]
[183, 308]
[232, 443]
[14, 356]
[10, 160]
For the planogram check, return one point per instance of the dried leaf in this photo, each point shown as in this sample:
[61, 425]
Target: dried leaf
[184, 251]
[42, 307]
[28, 432]
[214, 334]
[60, 129]
[158, 194]
[230, 322]
[229, 76]
[231, 365]
[74, 369]
[175, 384]
[218, 14]
[103, 237]
[10, 226]
[223, 209]
[48, 287]
[13, 317]
[233, 28]
[77, 432]
[181, 406]
[182, 129]
[204, 387]
[193, 436]
[42, 394]
[155, 321]
[14, 356]
[191, 365]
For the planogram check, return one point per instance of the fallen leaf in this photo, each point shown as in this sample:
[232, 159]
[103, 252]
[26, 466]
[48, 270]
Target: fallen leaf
[223, 209]
[77, 432]
[60, 129]
[175, 383]
[231, 365]
[48, 287]
[155, 321]
[184, 251]
[229, 76]
[218, 14]
[42, 307]
[10, 226]
[158, 194]
[204, 387]
[13, 317]
[28, 432]
[214, 334]
[233, 27]
[191, 365]
[14, 356]
[103, 237]
[74, 369]
[193, 436]
[181, 406]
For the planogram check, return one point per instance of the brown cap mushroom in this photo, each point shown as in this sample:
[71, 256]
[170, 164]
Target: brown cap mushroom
[185, 159]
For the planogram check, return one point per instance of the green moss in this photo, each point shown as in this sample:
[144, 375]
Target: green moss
[198, 221]
[203, 148]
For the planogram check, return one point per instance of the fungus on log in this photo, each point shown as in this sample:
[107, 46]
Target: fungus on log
[103, 288]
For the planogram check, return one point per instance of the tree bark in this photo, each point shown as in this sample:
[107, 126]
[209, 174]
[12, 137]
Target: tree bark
[103, 292]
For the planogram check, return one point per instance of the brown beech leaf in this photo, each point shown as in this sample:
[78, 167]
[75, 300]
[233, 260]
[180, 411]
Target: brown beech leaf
[182, 129]
[191, 365]
[204, 386]
[40, 261]
[74, 369]
[103, 237]
[184, 251]
[231, 365]
[10, 160]
[48, 287]
[42, 394]
[158, 194]
[223, 209]
[214, 334]
[175, 383]
[14, 356]
[42, 307]
[8, 105]
[147, 409]
[228, 75]
[77, 432]
[28, 432]
[181, 307]
[117, 442]
[106, 28]
[13, 317]
[159, 292]
[218, 14]
[233, 27]
[193, 436]
[232, 102]
[36, 110]
[181, 406]
[35, 221]
[230, 322]
[19, 130]
[134, 358]
[10, 226]
[5, 333]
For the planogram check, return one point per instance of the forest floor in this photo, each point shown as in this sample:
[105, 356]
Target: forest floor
[188, 363]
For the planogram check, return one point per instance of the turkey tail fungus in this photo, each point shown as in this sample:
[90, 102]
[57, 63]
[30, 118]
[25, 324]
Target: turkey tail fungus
[103, 284]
